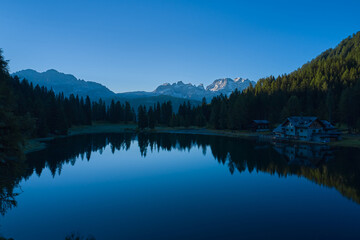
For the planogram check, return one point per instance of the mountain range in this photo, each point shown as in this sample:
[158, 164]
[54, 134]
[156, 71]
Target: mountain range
[176, 92]
[223, 86]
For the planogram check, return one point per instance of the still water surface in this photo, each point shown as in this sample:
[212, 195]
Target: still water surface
[168, 186]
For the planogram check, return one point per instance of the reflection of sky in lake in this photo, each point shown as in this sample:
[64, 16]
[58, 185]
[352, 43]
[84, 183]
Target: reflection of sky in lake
[175, 194]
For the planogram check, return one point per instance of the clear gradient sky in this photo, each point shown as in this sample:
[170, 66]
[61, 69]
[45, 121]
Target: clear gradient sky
[137, 45]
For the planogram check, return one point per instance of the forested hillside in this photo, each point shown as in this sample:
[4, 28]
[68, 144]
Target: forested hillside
[327, 87]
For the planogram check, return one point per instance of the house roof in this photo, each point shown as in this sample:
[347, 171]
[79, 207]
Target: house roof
[278, 129]
[327, 124]
[301, 122]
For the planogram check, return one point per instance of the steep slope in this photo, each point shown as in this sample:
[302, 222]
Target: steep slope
[333, 69]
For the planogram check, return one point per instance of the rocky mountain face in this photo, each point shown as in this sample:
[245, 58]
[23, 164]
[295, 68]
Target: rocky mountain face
[181, 90]
[223, 86]
[227, 85]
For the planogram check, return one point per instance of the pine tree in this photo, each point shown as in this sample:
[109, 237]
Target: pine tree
[151, 118]
[142, 118]
[87, 111]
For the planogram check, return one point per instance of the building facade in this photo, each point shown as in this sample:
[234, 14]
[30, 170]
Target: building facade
[306, 129]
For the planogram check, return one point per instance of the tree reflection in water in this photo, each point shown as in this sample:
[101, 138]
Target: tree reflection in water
[10, 175]
[338, 168]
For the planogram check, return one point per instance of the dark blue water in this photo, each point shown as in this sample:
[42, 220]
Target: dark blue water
[164, 186]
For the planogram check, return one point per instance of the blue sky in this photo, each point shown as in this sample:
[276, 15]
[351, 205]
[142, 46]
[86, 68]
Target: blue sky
[137, 45]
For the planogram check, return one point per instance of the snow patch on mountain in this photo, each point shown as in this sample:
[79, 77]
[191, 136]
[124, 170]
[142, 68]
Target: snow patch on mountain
[223, 86]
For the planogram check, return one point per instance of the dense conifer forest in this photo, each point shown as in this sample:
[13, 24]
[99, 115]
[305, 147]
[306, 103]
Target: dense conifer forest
[327, 87]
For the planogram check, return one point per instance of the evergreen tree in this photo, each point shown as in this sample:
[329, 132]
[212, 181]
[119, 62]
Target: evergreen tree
[87, 110]
[151, 118]
[142, 118]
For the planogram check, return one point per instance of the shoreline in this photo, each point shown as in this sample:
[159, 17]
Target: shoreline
[37, 144]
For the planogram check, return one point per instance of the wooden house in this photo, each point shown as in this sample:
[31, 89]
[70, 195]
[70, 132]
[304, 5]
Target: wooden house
[306, 129]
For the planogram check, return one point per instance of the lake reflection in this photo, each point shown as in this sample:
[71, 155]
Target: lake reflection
[174, 186]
